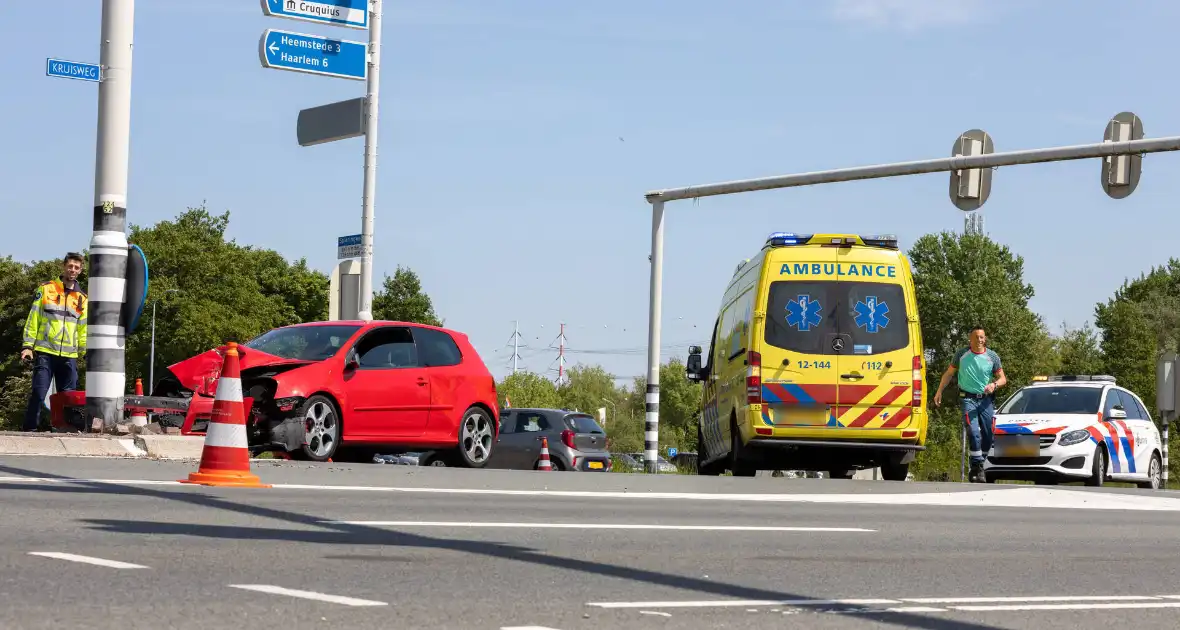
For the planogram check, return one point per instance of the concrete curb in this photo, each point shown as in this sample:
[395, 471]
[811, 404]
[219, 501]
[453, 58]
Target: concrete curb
[171, 446]
[67, 446]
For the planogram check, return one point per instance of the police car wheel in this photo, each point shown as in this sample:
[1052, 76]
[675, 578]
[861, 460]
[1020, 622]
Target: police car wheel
[1097, 468]
[1154, 474]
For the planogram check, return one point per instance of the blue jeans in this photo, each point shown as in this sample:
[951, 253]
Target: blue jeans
[979, 415]
[64, 373]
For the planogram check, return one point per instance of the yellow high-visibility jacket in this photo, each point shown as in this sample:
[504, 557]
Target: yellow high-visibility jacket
[57, 321]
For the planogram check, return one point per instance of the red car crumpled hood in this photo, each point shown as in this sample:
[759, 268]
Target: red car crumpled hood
[200, 373]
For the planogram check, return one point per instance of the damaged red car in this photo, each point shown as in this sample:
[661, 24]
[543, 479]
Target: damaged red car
[339, 389]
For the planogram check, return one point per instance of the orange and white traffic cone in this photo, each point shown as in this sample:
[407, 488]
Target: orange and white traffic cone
[138, 416]
[544, 464]
[225, 460]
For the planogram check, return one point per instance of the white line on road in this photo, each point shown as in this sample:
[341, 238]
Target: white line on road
[971, 604]
[321, 597]
[113, 564]
[526, 628]
[747, 602]
[716, 528]
[1028, 600]
[1032, 607]
[1029, 498]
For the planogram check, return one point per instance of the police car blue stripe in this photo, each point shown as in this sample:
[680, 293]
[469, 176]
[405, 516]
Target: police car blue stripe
[1130, 455]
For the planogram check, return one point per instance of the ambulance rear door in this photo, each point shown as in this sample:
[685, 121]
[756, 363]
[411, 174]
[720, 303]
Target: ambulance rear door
[800, 374]
[876, 357]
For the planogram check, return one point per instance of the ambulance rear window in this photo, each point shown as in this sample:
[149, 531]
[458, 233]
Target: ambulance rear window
[800, 316]
[805, 317]
[874, 315]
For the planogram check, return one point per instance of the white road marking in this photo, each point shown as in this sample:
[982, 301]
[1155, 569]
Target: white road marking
[321, 597]
[1027, 600]
[113, 564]
[526, 628]
[1042, 498]
[1032, 607]
[717, 528]
[965, 604]
[729, 603]
[655, 612]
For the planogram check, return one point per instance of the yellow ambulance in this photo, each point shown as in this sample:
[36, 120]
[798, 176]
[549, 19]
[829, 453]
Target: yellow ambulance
[816, 361]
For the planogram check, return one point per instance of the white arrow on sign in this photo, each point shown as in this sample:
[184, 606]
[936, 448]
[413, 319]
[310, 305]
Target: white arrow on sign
[273, 48]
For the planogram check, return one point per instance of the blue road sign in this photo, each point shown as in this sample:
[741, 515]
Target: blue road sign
[63, 69]
[348, 246]
[351, 13]
[313, 54]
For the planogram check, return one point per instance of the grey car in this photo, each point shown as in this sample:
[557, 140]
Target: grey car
[576, 442]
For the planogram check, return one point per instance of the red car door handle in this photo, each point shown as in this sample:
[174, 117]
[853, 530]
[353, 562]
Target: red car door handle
[421, 381]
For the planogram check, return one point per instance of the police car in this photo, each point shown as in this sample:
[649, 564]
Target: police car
[1075, 428]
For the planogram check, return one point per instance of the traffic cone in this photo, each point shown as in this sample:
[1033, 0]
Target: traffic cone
[544, 463]
[225, 460]
[138, 416]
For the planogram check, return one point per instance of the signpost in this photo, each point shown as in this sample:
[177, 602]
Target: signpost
[62, 69]
[348, 247]
[313, 54]
[350, 13]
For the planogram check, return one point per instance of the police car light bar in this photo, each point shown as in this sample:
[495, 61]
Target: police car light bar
[1106, 378]
[779, 239]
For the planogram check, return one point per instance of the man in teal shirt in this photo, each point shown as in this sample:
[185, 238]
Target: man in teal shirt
[976, 365]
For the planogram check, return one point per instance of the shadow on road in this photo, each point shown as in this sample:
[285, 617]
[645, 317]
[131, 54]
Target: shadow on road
[348, 534]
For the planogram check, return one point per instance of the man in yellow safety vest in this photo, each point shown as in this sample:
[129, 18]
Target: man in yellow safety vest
[55, 336]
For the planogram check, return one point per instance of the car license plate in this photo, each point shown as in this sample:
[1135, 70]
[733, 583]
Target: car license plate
[1018, 445]
[594, 464]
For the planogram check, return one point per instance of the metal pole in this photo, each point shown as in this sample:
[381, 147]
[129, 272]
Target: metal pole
[651, 428]
[106, 377]
[152, 360]
[963, 457]
[370, 187]
[990, 160]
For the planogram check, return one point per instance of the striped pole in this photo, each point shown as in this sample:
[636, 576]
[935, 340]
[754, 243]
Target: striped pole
[105, 375]
[1164, 472]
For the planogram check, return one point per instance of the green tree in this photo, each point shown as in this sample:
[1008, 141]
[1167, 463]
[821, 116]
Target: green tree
[1078, 351]
[587, 388]
[964, 280]
[401, 299]
[1139, 322]
[680, 405]
[527, 389]
[208, 290]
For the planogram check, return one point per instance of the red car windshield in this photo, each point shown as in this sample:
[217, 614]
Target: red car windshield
[303, 343]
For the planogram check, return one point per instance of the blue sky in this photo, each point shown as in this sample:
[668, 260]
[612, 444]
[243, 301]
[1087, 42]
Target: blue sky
[518, 138]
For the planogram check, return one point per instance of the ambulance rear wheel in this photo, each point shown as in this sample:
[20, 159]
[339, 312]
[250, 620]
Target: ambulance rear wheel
[712, 469]
[738, 466]
[892, 471]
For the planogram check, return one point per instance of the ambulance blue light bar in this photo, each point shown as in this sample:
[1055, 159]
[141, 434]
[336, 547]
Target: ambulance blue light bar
[779, 239]
[880, 240]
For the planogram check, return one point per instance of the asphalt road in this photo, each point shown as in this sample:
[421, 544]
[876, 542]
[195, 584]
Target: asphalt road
[115, 544]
